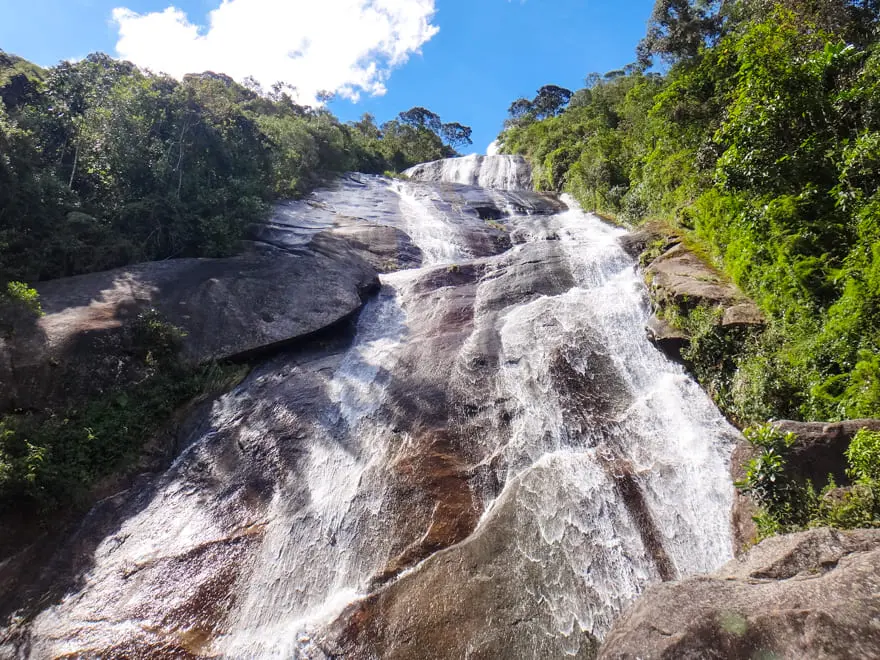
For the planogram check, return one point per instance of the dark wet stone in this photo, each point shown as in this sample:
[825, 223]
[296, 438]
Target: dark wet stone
[667, 338]
[820, 448]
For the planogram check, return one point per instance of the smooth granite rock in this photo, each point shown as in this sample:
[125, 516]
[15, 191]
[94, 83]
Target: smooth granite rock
[228, 308]
[813, 595]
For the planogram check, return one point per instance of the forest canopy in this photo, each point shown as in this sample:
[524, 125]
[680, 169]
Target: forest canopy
[761, 143]
[103, 164]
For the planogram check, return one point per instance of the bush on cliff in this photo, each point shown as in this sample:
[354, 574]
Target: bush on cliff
[50, 460]
[788, 505]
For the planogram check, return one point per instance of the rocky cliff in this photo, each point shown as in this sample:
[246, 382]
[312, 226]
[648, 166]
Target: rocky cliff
[808, 595]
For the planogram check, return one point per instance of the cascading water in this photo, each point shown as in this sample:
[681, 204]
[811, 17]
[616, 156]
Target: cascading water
[493, 172]
[495, 466]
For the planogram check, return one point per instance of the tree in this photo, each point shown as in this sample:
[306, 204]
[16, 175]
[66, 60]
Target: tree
[520, 112]
[456, 135]
[419, 117]
[550, 101]
[854, 21]
[678, 29]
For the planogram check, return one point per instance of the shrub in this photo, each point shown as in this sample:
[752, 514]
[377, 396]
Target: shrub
[766, 480]
[863, 456]
[49, 462]
[786, 505]
[155, 340]
[19, 307]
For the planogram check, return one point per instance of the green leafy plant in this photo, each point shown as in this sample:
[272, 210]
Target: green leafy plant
[766, 479]
[154, 339]
[863, 456]
[787, 505]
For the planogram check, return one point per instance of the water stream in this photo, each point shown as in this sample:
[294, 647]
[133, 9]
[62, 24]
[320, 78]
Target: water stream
[495, 466]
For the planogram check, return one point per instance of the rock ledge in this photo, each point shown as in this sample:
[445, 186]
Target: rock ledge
[808, 595]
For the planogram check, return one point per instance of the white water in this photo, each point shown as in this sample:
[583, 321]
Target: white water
[330, 523]
[493, 172]
[669, 435]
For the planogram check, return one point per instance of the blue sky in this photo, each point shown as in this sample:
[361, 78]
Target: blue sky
[476, 55]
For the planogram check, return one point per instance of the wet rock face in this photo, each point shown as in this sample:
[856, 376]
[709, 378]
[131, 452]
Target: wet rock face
[807, 595]
[468, 601]
[492, 172]
[494, 465]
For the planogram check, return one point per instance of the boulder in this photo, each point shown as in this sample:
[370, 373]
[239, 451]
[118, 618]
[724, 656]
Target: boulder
[667, 337]
[681, 277]
[635, 243]
[229, 309]
[744, 314]
[808, 595]
[819, 448]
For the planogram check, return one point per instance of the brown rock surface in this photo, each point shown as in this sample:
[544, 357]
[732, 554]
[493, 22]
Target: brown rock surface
[745, 531]
[386, 249]
[820, 447]
[636, 242]
[742, 314]
[680, 276]
[808, 595]
[666, 337]
[681, 280]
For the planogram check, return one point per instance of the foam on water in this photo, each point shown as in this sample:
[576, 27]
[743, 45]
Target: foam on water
[602, 429]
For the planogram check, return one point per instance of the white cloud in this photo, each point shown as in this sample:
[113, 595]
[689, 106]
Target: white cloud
[493, 148]
[344, 46]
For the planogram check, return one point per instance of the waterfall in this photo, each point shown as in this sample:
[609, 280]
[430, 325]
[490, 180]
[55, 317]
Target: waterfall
[495, 172]
[496, 464]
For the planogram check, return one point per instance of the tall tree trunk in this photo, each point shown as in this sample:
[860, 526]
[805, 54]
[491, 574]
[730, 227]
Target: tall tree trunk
[73, 171]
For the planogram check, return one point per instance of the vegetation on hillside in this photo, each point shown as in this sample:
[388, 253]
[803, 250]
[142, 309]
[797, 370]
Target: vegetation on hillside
[761, 143]
[102, 164]
[51, 460]
[788, 504]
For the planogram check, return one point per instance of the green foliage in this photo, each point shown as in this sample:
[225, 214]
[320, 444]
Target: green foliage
[863, 456]
[102, 165]
[24, 295]
[19, 308]
[766, 479]
[156, 341]
[787, 505]
[762, 144]
[49, 462]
